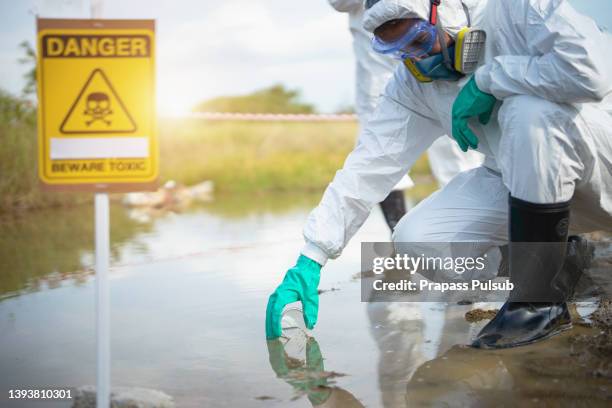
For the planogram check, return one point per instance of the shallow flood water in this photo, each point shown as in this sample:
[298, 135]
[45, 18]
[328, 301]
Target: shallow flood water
[188, 297]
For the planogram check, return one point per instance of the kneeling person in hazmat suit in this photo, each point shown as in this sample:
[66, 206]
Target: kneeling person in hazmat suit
[373, 71]
[537, 104]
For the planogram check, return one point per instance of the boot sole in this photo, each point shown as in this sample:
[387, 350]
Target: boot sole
[558, 330]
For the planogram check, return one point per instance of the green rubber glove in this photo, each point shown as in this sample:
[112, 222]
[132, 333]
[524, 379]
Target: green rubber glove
[470, 102]
[300, 283]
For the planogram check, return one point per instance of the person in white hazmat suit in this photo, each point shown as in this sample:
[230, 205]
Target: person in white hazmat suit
[373, 71]
[538, 105]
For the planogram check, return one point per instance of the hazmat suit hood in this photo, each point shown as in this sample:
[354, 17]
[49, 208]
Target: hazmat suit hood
[450, 12]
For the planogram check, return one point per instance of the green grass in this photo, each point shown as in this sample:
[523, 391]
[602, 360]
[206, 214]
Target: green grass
[240, 157]
[254, 156]
[19, 186]
[245, 157]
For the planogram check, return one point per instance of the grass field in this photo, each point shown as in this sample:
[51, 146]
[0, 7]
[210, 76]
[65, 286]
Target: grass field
[19, 187]
[257, 156]
[240, 157]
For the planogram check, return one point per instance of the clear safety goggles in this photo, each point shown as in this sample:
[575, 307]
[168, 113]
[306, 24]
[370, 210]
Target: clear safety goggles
[416, 42]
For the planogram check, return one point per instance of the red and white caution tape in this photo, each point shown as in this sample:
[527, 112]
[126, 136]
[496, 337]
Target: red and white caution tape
[269, 117]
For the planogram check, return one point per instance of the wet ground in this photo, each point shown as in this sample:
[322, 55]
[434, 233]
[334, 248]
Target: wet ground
[188, 298]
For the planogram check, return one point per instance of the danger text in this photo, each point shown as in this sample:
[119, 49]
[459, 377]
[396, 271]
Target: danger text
[95, 46]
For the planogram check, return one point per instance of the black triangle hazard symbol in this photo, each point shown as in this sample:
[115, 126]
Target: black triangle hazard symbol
[98, 109]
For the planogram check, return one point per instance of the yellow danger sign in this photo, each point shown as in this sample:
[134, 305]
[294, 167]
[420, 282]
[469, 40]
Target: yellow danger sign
[97, 123]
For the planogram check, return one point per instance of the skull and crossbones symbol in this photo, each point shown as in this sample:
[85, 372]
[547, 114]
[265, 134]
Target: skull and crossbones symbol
[98, 108]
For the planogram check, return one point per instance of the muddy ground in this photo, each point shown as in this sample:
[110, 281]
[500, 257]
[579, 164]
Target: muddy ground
[573, 369]
[478, 315]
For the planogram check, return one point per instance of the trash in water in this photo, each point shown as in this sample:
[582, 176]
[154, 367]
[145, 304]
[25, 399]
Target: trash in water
[294, 332]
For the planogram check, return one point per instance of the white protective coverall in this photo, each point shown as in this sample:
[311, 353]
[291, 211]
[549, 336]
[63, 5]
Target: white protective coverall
[372, 74]
[549, 141]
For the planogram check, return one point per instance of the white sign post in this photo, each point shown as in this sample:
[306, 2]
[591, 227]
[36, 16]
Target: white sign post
[102, 231]
[102, 243]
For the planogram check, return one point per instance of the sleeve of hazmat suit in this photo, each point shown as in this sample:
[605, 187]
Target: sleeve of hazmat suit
[398, 132]
[559, 54]
[346, 5]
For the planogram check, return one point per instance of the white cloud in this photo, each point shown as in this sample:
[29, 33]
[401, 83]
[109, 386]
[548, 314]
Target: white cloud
[211, 48]
[242, 46]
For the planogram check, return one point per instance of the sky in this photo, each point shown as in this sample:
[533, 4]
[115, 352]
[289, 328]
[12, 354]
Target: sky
[208, 48]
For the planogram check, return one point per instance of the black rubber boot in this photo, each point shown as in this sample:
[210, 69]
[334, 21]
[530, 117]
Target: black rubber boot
[393, 208]
[536, 308]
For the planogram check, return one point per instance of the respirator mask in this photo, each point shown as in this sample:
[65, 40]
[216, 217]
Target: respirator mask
[415, 45]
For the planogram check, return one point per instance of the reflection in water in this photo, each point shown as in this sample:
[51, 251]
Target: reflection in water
[424, 361]
[175, 326]
[188, 295]
[238, 206]
[47, 247]
[410, 334]
[308, 377]
[420, 362]
[551, 373]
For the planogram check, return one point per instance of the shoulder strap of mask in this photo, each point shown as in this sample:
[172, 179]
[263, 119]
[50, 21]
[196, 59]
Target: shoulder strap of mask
[435, 21]
[467, 14]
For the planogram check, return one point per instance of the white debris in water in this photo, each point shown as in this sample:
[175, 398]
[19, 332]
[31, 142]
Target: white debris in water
[123, 397]
[171, 195]
[202, 191]
[295, 335]
[586, 308]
